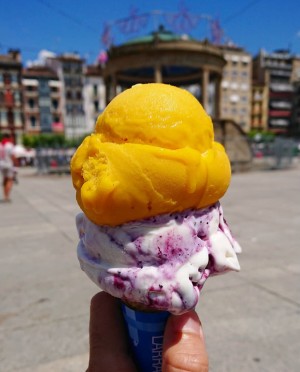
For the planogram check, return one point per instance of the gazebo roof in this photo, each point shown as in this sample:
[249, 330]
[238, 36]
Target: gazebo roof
[161, 34]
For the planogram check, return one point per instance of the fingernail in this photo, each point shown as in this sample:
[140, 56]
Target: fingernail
[191, 324]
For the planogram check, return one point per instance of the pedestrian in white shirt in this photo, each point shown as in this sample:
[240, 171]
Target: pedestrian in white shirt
[7, 162]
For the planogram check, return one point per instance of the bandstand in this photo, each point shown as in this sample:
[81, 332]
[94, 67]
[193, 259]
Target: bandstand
[165, 57]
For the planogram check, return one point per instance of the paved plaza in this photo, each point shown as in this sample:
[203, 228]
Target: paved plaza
[251, 319]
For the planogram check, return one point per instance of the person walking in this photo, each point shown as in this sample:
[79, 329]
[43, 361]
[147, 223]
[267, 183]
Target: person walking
[7, 163]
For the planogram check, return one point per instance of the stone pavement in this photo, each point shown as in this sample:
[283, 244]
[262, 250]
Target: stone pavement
[251, 319]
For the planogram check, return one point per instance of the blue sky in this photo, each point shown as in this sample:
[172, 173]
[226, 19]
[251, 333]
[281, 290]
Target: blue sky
[77, 25]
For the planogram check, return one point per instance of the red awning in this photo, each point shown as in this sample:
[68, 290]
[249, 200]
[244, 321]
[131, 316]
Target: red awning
[58, 127]
[279, 113]
[9, 99]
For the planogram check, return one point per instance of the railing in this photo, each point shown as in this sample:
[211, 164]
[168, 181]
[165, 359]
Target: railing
[53, 160]
[278, 154]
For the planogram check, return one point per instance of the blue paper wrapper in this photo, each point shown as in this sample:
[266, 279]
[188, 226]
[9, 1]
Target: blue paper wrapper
[146, 331]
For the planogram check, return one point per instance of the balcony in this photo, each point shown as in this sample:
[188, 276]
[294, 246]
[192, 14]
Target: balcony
[30, 109]
[55, 94]
[55, 110]
[257, 97]
[281, 87]
[280, 104]
[31, 93]
[280, 73]
[279, 122]
[279, 113]
[285, 96]
[279, 65]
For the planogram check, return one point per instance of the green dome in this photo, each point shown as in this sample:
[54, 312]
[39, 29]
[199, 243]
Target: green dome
[161, 34]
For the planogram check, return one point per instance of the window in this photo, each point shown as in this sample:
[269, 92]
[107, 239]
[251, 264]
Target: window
[55, 104]
[69, 108]
[14, 78]
[80, 109]
[31, 103]
[10, 117]
[44, 88]
[33, 121]
[17, 97]
[95, 89]
[96, 106]
[7, 78]
[67, 67]
[18, 117]
[3, 117]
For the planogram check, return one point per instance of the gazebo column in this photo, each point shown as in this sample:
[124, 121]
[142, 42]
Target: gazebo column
[107, 90]
[110, 87]
[157, 74]
[113, 86]
[218, 97]
[204, 88]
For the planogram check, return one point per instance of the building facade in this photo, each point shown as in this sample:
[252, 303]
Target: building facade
[11, 118]
[295, 129]
[94, 94]
[260, 104]
[279, 66]
[237, 86]
[69, 68]
[42, 100]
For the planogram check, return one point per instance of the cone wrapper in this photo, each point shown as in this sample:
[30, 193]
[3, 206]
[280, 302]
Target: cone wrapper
[146, 331]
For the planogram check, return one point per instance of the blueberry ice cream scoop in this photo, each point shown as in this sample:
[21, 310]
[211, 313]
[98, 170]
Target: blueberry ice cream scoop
[159, 263]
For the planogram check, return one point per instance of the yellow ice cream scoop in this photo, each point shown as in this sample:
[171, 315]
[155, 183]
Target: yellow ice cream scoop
[152, 152]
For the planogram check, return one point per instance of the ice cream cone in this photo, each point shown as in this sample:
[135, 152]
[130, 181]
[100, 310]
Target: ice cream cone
[146, 331]
[148, 181]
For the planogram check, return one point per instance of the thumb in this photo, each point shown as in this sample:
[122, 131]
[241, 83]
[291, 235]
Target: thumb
[184, 347]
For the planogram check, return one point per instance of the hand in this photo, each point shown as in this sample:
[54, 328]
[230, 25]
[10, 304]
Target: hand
[184, 348]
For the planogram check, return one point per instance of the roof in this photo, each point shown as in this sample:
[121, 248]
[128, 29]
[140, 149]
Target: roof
[10, 59]
[161, 34]
[69, 57]
[93, 70]
[39, 71]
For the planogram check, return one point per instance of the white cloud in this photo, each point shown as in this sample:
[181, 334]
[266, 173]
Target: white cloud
[42, 55]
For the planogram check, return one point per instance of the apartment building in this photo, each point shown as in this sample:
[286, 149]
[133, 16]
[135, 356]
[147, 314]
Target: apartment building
[94, 94]
[279, 66]
[11, 118]
[69, 68]
[295, 79]
[42, 100]
[236, 88]
[260, 103]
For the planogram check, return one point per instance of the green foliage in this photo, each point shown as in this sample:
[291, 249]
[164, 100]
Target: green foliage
[261, 136]
[50, 140]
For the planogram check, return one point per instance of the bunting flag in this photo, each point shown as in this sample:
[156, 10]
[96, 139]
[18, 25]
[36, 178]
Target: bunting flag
[216, 31]
[106, 37]
[183, 21]
[134, 23]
